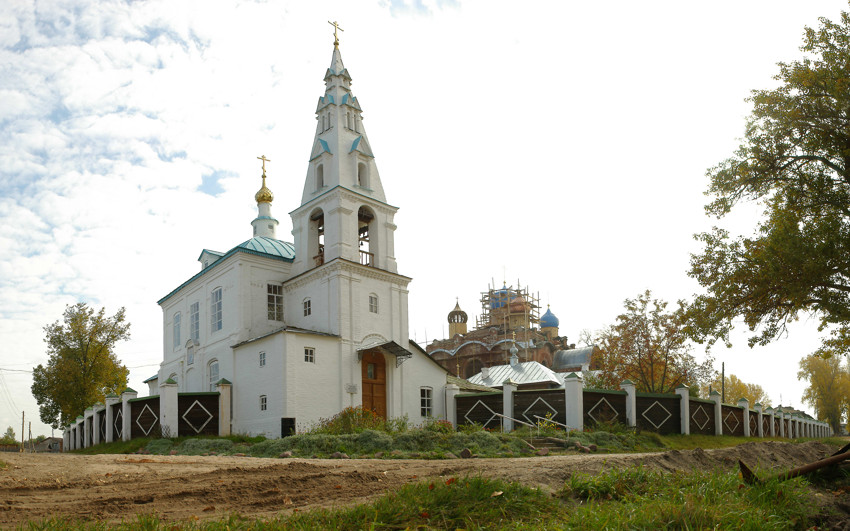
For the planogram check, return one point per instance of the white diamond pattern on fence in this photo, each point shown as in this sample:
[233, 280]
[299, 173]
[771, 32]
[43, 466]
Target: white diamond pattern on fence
[485, 406]
[204, 425]
[600, 404]
[701, 421]
[732, 427]
[147, 430]
[529, 408]
[118, 423]
[101, 422]
[650, 408]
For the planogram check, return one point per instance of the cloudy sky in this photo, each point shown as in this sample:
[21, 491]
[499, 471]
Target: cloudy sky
[560, 144]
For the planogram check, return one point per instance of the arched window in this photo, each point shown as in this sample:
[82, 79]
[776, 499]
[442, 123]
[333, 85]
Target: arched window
[213, 372]
[316, 242]
[362, 175]
[320, 177]
[365, 224]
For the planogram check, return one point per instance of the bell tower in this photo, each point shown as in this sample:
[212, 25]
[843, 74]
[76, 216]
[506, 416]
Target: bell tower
[343, 213]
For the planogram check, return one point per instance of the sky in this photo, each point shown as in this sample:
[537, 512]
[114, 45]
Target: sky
[559, 145]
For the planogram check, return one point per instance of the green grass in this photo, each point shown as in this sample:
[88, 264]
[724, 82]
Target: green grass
[3, 464]
[633, 498]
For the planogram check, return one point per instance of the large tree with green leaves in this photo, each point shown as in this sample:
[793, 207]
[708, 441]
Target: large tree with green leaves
[829, 386]
[82, 367]
[795, 163]
[648, 346]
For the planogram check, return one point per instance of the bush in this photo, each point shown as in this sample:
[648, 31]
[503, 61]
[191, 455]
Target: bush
[438, 426]
[371, 441]
[159, 446]
[349, 420]
[202, 446]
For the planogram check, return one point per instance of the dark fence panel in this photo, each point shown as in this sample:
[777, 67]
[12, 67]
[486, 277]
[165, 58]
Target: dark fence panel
[144, 417]
[101, 425]
[658, 413]
[765, 425]
[197, 413]
[546, 403]
[480, 408]
[604, 407]
[701, 416]
[732, 418]
[754, 424]
[776, 426]
[117, 419]
[787, 424]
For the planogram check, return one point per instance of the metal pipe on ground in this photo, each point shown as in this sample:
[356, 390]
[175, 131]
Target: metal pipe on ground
[751, 479]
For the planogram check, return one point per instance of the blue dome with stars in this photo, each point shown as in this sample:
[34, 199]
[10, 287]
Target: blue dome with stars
[549, 320]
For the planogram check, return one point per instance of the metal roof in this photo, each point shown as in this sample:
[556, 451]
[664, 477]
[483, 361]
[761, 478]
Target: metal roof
[527, 372]
[574, 357]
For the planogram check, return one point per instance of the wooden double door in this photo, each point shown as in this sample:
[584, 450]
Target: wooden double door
[374, 368]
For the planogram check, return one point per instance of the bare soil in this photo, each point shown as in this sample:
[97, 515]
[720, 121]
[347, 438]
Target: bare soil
[115, 487]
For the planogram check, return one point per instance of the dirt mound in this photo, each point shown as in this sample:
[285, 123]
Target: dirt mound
[109, 487]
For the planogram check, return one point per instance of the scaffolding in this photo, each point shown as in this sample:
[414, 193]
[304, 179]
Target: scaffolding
[508, 308]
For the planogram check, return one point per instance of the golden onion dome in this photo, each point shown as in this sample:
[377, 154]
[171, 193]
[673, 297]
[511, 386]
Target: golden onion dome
[264, 195]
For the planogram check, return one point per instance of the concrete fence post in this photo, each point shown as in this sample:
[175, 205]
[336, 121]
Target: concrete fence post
[574, 401]
[78, 428]
[631, 401]
[508, 390]
[744, 404]
[126, 415]
[110, 416]
[95, 418]
[225, 388]
[452, 391]
[87, 427]
[718, 412]
[684, 408]
[780, 415]
[168, 412]
[759, 417]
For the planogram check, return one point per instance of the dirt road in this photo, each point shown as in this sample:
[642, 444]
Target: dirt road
[112, 487]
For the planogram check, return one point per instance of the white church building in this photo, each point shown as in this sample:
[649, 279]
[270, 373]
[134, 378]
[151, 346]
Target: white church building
[305, 329]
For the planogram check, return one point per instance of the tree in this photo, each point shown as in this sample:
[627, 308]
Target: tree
[829, 387]
[8, 437]
[648, 346]
[82, 367]
[795, 162]
[737, 389]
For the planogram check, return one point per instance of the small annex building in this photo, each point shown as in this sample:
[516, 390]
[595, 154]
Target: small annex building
[305, 329]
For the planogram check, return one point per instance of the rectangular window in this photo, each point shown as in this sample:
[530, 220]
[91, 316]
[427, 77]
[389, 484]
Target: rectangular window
[307, 309]
[195, 321]
[425, 401]
[213, 375]
[275, 302]
[373, 303]
[176, 331]
[262, 359]
[190, 355]
[309, 354]
[263, 403]
[215, 310]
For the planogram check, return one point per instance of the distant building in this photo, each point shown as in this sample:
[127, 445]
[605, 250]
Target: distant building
[509, 318]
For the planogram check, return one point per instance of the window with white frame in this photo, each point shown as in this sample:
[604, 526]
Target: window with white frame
[275, 302]
[426, 401]
[263, 403]
[373, 303]
[262, 359]
[213, 370]
[215, 310]
[308, 310]
[195, 321]
[176, 330]
[310, 354]
[190, 354]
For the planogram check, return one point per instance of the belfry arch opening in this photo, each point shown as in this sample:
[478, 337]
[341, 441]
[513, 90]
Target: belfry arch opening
[365, 235]
[317, 236]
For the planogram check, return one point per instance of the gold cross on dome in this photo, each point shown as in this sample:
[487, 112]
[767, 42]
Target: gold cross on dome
[264, 159]
[336, 27]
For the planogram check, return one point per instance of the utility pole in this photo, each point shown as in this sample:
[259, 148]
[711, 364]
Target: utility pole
[722, 381]
[23, 435]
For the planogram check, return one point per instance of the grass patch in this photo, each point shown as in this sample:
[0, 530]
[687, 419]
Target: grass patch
[619, 499]
[3, 464]
[637, 498]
